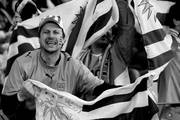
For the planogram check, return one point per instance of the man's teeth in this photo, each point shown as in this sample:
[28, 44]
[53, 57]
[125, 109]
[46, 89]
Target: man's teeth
[51, 42]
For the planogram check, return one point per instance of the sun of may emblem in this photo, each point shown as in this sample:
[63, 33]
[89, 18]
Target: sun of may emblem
[55, 107]
[147, 8]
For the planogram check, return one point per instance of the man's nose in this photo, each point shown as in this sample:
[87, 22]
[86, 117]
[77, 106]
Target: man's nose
[51, 34]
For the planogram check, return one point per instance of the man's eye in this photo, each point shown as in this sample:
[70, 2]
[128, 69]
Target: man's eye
[56, 32]
[46, 32]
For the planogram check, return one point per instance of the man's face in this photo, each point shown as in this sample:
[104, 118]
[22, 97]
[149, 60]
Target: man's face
[51, 37]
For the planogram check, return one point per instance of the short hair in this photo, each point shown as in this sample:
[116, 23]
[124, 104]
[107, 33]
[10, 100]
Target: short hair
[51, 19]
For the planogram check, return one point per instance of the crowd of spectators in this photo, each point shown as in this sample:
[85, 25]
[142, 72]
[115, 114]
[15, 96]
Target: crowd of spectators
[131, 50]
[13, 11]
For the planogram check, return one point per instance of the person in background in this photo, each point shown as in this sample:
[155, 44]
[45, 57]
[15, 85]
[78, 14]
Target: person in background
[5, 23]
[24, 9]
[169, 83]
[50, 66]
[5, 19]
[111, 55]
[97, 56]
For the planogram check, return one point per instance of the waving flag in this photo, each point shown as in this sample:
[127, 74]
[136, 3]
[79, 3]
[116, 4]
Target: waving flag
[99, 17]
[79, 19]
[125, 103]
[157, 44]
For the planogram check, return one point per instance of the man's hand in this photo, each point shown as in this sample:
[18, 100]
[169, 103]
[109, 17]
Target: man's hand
[23, 94]
[26, 96]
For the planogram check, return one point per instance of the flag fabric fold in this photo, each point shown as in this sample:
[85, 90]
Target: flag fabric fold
[157, 43]
[125, 103]
[97, 21]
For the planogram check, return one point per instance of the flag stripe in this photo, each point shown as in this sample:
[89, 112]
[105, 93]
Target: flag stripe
[153, 37]
[75, 31]
[140, 100]
[158, 48]
[117, 98]
[29, 33]
[160, 60]
[98, 24]
[138, 113]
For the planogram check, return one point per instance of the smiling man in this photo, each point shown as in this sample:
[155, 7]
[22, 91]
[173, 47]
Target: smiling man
[50, 66]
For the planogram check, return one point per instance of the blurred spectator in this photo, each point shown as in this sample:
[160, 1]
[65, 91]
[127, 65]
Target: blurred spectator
[139, 56]
[5, 19]
[97, 56]
[24, 9]
[169, 83]
[110, 55]
[5, 23]
[4, 2]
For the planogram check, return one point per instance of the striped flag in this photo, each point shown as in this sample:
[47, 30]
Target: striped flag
[157, 44]
[99, 17]
[130, 102]
[80, 18]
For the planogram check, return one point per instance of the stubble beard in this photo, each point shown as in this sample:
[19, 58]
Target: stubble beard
[50, 52]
